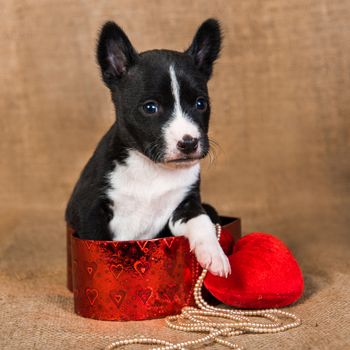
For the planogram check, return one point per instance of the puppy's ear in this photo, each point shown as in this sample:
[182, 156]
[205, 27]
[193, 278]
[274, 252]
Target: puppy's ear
[205, 47]
[115, 54]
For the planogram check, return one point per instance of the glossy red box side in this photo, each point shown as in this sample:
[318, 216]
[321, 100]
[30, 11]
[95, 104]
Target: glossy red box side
[133, 280]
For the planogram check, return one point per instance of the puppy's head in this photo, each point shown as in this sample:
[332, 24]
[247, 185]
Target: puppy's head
[161, 96]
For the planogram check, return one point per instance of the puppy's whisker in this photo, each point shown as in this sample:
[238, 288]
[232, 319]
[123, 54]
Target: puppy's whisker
[215, 148]
[211, 158]
[152, 148]
[214, 144]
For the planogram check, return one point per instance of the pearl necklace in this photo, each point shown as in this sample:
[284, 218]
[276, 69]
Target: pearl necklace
[200, 320]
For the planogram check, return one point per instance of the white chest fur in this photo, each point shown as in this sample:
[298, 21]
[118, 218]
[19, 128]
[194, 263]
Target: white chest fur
[144, 196]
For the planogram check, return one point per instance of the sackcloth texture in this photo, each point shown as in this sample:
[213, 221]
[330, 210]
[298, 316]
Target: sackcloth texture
[280, 114]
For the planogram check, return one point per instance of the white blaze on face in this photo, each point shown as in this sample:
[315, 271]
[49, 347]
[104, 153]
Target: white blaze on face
[180, 124]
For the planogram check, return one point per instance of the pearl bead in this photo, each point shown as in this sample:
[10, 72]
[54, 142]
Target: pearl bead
[239, 324]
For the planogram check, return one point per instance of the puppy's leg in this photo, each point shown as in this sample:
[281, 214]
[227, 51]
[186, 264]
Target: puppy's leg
[212, 213]
[94, 221]
[191, 221]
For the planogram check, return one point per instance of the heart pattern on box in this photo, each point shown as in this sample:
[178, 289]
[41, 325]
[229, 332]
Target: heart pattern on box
[92, 295]
[117, 297]
[144, 294]
[142, 245]
[116, 270]
[141, 267]
[129, 276]
[91, 268]
[89, 244]
[169, 241]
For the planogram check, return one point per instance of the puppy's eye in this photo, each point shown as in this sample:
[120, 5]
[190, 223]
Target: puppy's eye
[150, 107]
[201, 104]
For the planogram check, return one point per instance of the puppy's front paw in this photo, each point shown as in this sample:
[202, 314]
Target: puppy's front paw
[212, 258]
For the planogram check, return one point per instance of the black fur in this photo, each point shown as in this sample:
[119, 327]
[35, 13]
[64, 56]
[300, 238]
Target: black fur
[133, 79]
[206, 46]
[115, 54]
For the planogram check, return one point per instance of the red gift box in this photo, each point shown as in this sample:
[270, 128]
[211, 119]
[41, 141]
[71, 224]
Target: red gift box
[133, 280]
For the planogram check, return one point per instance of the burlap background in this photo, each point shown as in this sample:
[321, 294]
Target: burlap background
[281, 106]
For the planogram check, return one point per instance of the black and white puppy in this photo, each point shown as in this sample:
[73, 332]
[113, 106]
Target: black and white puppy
[144, 175]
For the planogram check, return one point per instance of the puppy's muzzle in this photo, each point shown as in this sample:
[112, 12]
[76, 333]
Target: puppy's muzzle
[187, 145]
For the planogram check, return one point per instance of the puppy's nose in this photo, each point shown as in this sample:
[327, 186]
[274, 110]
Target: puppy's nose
[188, 144]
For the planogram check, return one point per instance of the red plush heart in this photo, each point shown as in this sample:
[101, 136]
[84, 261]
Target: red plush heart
[264, 274]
